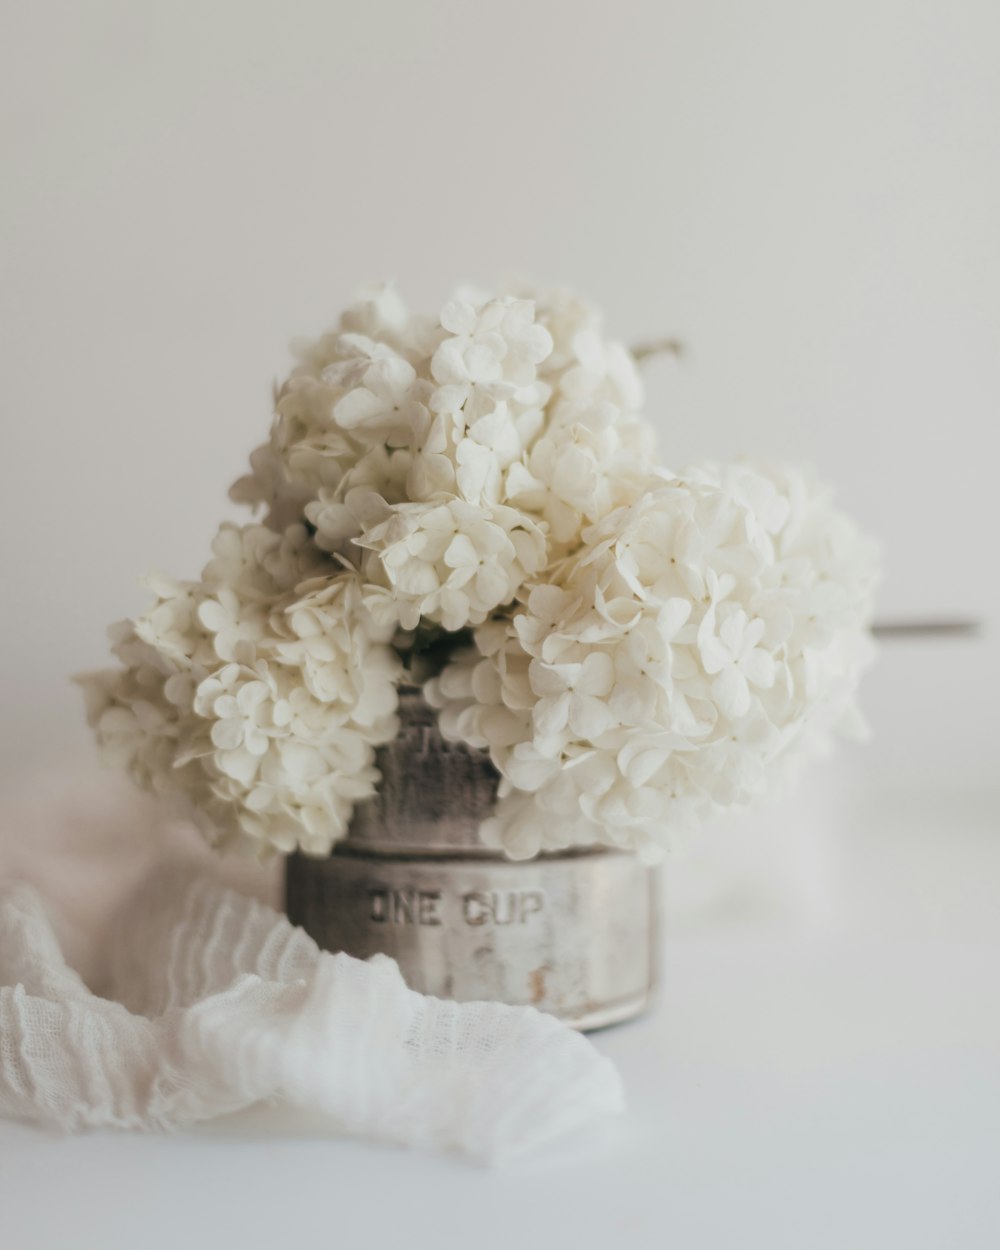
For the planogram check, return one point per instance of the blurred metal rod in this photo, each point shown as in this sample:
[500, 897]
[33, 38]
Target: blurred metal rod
[928, 629]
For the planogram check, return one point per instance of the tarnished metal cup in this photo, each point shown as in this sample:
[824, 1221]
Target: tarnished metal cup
[572, 933]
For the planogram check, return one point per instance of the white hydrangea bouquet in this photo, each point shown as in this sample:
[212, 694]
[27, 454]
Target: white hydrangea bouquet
[471, 503]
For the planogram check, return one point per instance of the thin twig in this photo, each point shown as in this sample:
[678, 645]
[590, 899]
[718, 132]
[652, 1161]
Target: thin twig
[657, 347]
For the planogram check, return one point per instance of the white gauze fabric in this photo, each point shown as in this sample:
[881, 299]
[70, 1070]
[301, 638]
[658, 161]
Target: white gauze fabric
[217, 1002]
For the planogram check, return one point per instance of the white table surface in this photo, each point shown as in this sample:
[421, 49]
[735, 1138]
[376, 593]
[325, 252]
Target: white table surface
[822, 1068]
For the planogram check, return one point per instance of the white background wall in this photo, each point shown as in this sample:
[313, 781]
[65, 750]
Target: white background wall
[809, 194]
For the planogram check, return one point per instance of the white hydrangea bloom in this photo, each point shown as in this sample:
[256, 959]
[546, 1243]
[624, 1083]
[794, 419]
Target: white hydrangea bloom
[257, 695]
[703, 636]
[500, 402]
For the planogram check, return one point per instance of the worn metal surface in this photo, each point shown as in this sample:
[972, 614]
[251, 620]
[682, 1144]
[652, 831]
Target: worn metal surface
[572, 934]
[433, 794]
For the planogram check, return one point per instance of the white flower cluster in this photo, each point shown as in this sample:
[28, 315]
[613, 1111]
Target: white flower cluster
[451, 461]
[669, 665]
[646, 647]
[257, 694]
